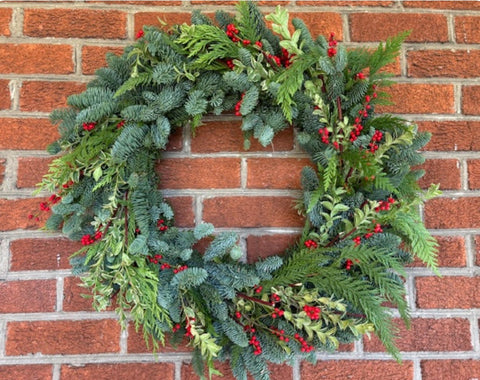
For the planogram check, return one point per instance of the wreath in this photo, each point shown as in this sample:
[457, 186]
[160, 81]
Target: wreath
[360, 197]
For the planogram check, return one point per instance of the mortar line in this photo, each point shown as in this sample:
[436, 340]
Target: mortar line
[474, 330]
[4, 258]
[464, 174]
[178, 370]
[417, 369]
[60, 288]
[124, 340]
[10, 174]
[3, 338]
[16, 22]
[470, 248]
[457, 98]
[451, 28]
[243, 172]
[296, 370]
[56, 371]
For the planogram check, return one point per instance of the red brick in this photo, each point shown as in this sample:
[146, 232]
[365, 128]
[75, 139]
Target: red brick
[26, 372]
[251, 212]
[448, 292]
[3, 161]
[471, 100]
[26, 133]
[76, 23]
[443, 63]
[477, 249]
[94, 57]
[136, 343]
[36, 59]
[268, 245]
[473, 174]
[27, 296]
[45, 96]
[427, 334]
[451, 252]
[420, 98]
[452, 135]
[453, 213]
[15, 214]
[379, 26]
[356, 370]
[450, 369]
[151, 18]
[175, 141]
[31, 170]
[364, 3]
[5, 101]
[199, 173]
[63, 337]
[277, 372]
[466, 29]
[183, 208]
[226, 136]
[118, 371]
[73, 296]
[41, 254]
[445, 4]
[322, 23]
[444, 172]
[5, 19]
[275, 173]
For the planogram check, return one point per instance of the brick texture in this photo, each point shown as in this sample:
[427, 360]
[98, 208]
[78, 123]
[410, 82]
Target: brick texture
[444, 63]
[94, 57]
[450, 369]
[448, 292]
[125, 371]
[31, 170]
[27, 296]
[136, 343]
[275, 173]
[45, 96]
[15, 214]
[473, 174]
[5, 18]
[268, 245]
[443, 4]
[4, 95]
[151, 18]
[453, 213]
[443, 172]
[451, 252]
[26, 372]
[471, 100]
[322, 23]
[56, 337]
[27, 133]
[466, 29]
[452, 135]
[83, 23]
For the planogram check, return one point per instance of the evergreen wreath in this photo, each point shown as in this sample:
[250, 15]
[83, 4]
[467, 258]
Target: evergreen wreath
[360, 203]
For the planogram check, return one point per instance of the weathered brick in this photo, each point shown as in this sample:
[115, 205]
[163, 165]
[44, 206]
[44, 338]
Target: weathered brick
[63, 337]
[15, 214]
[251, 212]
[427, 334]
[27, 296]
[199, 173]
[356, 370]
[457, 369]
[452, 135]
[36, 59]
[31, 170]
[451, 252]
[451, 292]
[268, 245]
[379, 26]
[322, 23]
[26, 133]
[151, 18]
[226, 136]
[45, 96]
[443, 172]
[5, 19]
[118, 371]
[136, 343]
[420, 98]
[41, 254]
[5, 101]
[466, 29]
[443, 4]
[94, 57]
[275, 173]
[471, 100]
[443, 63]
[26, 372]
[453, 213]
[77, 23]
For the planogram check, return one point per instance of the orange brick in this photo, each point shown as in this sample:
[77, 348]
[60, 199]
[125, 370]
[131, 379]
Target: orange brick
[251, 212]
[31, 170]
[453, 213]
[443, 4]
[443, 172]
[444, 63]
[63, 337]
[452, 135]
[46, 96]
[136, 343]
[466, 29]
[322, 23]
[199, 173]
[356, 370]
[36, 59]
[41, 254]
[268, 245]
[379, 26]
[275, 173]
[93, 57]
[26, 133]
[451, 252]
[27, 296]
[450, 292]
[5, 19]
[119, 371]
[75, 23]
[473, 174]
[450, 369]
[471, 100]
[5, 101]
[420, 98]
[15, 214]
[183, 209]
[26, 372]
[427, 334]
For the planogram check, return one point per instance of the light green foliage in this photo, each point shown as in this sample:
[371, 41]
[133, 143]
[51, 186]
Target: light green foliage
[360, 195]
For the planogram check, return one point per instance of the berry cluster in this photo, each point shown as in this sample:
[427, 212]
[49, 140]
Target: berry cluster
[180, 269]
[313, 312]
[188, 327]
[165, 266]
[139, 34]
[332, 43]
[277, 313]
[274, 298]
[258, 289]
[161, 226]
[90, 239]
[324, 133]
[232, 33]
[155, 259]
[46, 206]
[176, 327]
[311, 244]
[358, 129]
[121, 124]
[280, 334]
[376, 230]
[89, 126]
[256, 345]
[348, 264]
[238, 105]
[305, 346]
[385, 205]
[286, 58]
[376, 138]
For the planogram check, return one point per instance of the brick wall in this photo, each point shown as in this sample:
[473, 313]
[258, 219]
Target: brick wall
[49, 50]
